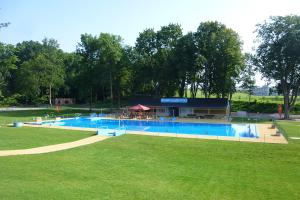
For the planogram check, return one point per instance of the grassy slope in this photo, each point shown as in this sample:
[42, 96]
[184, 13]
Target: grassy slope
[145, 167]
[25, 137]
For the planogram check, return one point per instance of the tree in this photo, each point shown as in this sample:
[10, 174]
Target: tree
[221, 49]
[42, 74]
[8, 61]
[145, 79]
[248, 76]
[4, 24]
[111, 52]
[100, 63]
[88, 49]
[53, 66]
[156, 68]
[71, 87]
[167, 38]
[278, 55]
[185, 57]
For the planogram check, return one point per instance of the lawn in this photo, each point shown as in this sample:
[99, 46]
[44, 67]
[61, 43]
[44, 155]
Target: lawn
[148, 167]
[25, 137]
[290, 127]
[28, 115]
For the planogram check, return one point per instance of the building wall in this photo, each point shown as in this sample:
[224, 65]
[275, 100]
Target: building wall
[261, 91]
[162, 111]
[64, 101]
[183, 112]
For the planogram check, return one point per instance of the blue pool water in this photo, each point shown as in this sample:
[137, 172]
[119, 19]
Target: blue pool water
[232, 130]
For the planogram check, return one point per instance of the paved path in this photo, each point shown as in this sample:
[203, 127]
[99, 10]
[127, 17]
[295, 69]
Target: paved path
[295, 138]
[53, 148]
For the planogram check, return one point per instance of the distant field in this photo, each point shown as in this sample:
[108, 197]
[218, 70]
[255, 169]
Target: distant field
[267, 99]
[238, 96]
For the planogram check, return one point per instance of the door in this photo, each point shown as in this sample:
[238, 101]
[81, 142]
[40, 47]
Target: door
[174, 111]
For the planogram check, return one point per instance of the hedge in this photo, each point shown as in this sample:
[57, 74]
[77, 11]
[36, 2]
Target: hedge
[259, 107]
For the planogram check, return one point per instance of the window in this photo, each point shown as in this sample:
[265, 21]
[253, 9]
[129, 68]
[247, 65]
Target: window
[160, 110]
[200, 111]
[218, 111]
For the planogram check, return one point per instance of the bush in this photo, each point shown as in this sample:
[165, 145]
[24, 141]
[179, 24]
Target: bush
[41, 100]
[260, 107]
[11, 101]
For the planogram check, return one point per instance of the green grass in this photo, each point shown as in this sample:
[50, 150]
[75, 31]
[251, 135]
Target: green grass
[239, 96]
[25, 137]
[147, 167]
[8, 117]
[292, 129]
[249, 120]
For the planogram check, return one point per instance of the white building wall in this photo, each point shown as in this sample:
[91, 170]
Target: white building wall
[164, 112]
[183, 112]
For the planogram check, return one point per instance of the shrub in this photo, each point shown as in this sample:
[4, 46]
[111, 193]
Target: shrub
[261, 107]
[11, 101]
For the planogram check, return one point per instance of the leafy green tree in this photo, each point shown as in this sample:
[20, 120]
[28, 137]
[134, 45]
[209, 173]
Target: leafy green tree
[220, 48]
[278, 55]
[4, 24]
[71, 87]
[155, 70]
[42, 74]
[165, 70]
[145, 79]
[247, 76]
[100, 63]
[111, 52]
[8, 61]
[53, 65]
[88, 49]
[27, 50]
[185, 59]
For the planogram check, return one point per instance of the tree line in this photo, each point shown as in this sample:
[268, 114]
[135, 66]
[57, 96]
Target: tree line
[163, 63]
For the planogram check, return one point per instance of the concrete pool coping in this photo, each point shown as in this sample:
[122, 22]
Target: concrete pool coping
[266, 134]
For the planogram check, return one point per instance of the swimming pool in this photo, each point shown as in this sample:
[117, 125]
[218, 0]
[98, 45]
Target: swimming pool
[230, 130]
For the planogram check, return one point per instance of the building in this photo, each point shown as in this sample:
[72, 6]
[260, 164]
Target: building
[64, 101]
[185, 107]
[261, 91]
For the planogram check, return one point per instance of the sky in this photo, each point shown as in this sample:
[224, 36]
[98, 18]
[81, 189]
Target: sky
[66, 20]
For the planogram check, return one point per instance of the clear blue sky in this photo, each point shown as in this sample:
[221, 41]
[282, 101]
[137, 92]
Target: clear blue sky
[65, 20]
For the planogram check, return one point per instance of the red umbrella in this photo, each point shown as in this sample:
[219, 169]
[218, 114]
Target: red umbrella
[139, 107]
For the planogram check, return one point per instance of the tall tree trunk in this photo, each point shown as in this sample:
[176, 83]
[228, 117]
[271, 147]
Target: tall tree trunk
[111, 90]
[103, 93]
[181, 87]
[286, 105]
[119, 99]
[50, 95]
[286, 94]
[230, 96]
[91, 98]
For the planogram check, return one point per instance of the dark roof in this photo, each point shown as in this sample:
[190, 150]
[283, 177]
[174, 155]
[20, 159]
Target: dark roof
[186, 102]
